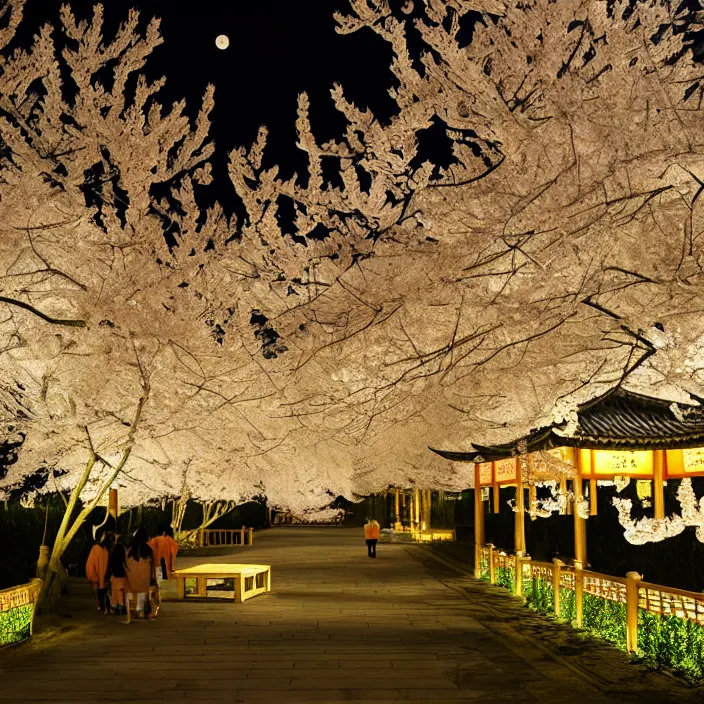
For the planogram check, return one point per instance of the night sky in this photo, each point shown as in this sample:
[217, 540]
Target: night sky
[278, 48]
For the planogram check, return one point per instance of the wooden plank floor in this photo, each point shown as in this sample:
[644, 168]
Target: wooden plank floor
[337, 627]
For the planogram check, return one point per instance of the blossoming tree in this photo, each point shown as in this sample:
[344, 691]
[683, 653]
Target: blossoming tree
[116, 337]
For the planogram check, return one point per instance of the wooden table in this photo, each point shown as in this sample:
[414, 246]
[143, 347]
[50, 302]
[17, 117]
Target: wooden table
[249, 581]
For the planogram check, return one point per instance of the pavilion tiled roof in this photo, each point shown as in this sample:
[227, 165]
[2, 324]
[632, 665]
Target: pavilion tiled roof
[618, 420]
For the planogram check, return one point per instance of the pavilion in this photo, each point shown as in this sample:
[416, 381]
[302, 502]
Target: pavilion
[619, 434]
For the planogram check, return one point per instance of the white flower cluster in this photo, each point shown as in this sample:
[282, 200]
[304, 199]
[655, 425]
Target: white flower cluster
[652, 530]
[582, 506]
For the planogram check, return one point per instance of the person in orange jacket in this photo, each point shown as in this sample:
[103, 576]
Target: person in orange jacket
[98, 570]
[372, 533]
[118, 578]
[165, 549]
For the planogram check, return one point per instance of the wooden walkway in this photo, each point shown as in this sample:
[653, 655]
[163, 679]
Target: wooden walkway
[338, 627]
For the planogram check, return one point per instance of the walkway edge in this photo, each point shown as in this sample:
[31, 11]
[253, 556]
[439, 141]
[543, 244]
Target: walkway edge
[586, 676]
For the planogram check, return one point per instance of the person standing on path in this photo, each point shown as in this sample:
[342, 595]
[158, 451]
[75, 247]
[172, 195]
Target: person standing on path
[372, 533]
[98, 570]
[118, 580]
[165, 549]
[141, 573]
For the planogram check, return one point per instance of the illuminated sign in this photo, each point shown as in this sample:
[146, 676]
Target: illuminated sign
[693, 460]
[623, 463]
[505, 470]
[485, 473]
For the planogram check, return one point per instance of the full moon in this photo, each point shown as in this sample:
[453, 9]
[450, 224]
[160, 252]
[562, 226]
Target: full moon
[222, 42]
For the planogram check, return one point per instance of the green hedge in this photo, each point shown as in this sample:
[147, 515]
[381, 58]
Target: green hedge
[568, 604]
[505, 578]
[663, 641]
[539, 595]
[605, 618]
[669, 641]
[15, 624]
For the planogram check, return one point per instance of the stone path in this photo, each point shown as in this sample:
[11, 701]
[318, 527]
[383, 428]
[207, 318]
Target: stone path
[338, 627]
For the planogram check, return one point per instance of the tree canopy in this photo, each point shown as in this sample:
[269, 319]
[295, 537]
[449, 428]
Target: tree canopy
[549, 250]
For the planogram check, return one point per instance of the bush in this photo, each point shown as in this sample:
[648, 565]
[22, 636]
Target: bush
[669, 641]
[605, 618]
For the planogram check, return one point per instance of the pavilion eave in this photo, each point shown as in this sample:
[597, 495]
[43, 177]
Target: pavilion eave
[619, 420]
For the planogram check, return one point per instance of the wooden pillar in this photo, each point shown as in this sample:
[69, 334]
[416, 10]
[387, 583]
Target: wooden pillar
[113, 505]
[251, 537]
[632, 579]
[578, 592]
[397, 509]
[593, 497]
[496, 498]
[582, 465]
[478, 522]
[563, 490]
[492, 564]
[519, 525]
[658, 491]
[520, 561]
[557, 566]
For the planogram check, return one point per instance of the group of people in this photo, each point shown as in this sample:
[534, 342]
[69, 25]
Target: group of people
[127, 579]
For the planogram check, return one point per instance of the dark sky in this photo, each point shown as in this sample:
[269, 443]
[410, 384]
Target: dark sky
[278, 48]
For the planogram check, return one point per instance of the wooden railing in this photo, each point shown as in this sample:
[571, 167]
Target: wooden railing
[429, 535]
[665, 601]
[213, 537]
[287, 519]
[17, 607]
[615, 607]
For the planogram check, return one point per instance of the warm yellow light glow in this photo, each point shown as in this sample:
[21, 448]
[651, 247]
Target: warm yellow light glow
[644, 489]
[505, 470]
[623, 463]
[693, 460]
[433, 535]
[221, 569]
[561, 453]
[485, 473]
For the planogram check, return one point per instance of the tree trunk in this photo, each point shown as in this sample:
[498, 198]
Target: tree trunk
[54, 585]
[211, 513]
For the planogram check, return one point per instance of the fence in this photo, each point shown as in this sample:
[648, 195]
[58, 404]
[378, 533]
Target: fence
[17, 605]
[239, 536]
[430, 535]
[213, 537]
[662, 624]
[287, 519]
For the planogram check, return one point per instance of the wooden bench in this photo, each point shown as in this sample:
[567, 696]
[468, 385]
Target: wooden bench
[207, 581]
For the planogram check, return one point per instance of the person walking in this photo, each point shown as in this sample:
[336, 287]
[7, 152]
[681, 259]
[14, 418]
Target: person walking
[372, 533]
[165, 549]
[141, 574]
[118, 580]
[98, 570]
